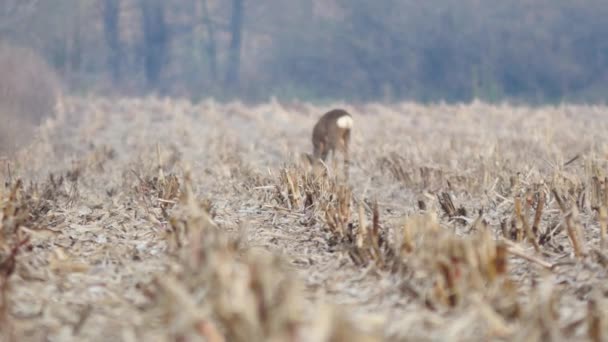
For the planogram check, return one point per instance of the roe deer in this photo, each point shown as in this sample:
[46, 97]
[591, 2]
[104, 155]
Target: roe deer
[331, 133]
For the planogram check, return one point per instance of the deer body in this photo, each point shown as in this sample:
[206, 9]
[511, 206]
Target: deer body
[330, 134]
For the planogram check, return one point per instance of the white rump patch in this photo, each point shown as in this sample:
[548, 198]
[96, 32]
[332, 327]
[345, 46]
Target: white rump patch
[345, 122]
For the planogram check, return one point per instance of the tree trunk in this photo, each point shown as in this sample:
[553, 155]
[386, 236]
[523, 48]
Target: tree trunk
[234, 57]
[211, 47]
[111, 12]
[73, 43]
[155, 36]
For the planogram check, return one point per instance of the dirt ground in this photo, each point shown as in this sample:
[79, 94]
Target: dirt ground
[156, 219]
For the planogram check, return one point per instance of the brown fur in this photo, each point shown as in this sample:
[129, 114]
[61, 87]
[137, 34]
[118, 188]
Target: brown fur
[328, 137]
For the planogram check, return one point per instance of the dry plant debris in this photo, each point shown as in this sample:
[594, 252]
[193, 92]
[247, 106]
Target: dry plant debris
[159, 219]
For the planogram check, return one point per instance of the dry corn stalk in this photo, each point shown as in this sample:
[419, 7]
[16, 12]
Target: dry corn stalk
[572, 226]
[293, 191]
[594, 321]
[337, 214]
[375, 235]
[605, 191]
[540, 205]
[517, 251]
[603, 219]
[407, 244]
[445, 200]
[362, 234]
[524, 222]
[394, 164]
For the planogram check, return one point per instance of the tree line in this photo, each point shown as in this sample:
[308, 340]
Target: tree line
[533, 51]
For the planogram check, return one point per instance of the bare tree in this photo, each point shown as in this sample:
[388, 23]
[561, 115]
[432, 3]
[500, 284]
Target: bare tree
[211, 48]
[156, 39]
[12, 12]
[234, 54]
[111, 12]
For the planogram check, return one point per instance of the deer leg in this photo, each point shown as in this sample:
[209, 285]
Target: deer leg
[345, 142]
[334, 160]
[319, 159]
[308, 159]
[346, 162]
[318, 149]
[324, 154]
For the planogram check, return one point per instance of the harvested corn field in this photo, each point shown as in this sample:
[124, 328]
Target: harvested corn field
[162, 220]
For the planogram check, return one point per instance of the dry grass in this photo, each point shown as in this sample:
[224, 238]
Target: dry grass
[138, 219]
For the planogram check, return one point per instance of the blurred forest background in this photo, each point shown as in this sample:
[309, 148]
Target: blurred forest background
[534, 51]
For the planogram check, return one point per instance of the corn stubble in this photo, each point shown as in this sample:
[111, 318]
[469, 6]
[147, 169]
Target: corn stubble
[226, 291]
[160, 219]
